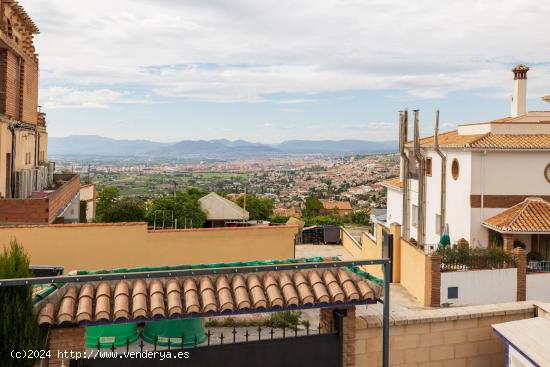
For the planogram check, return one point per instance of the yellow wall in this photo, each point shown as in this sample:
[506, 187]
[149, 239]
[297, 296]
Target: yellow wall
[96, 246]
[426, 338]
[415, 266]
[351, 245]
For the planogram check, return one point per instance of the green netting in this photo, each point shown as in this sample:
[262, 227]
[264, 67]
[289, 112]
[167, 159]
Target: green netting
[172, 331]
[366, 275]
[107, 335]
[204, 266]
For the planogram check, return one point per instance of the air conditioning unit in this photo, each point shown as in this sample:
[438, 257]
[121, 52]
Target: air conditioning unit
[23, 184]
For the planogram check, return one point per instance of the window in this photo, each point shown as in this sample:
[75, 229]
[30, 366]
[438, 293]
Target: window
[455, 169]
[437, 224]
[452, 292]
[415, 215]
[429, 166]
[547, 172]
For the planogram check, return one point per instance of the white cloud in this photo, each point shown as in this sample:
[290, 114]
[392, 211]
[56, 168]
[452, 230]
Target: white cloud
[240, 50]
[61, 97]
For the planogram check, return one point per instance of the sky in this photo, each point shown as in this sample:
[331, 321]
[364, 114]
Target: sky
[273, 70]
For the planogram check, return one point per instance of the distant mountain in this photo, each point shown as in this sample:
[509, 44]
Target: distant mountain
[336, 146]
[100, 146]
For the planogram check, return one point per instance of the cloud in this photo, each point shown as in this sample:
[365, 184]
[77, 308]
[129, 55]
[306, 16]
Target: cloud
[62, 97]
[239, 50]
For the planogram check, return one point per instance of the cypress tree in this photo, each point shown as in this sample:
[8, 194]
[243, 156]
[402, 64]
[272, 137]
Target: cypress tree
[19, 330]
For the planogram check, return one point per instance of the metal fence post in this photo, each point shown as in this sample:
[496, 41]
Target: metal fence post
[386, 316]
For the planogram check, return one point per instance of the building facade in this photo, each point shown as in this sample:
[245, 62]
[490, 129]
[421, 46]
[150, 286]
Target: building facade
[30, 192]
[467, 177]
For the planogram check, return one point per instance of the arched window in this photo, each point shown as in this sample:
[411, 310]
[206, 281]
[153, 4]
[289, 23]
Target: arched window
[455, 169]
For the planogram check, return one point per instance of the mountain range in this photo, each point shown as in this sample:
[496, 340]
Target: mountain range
[101, 146]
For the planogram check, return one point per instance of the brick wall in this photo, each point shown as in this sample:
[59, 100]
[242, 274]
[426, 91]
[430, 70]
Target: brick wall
[39, 210]
[24, 210]
[29, 108]
[460, 336]
[8, 83]
[63, 195]
[66, 340]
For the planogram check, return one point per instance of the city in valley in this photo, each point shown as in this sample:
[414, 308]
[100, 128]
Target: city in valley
[287, 181]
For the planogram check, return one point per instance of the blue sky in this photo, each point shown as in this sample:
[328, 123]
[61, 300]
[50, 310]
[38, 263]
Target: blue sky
[275, 70]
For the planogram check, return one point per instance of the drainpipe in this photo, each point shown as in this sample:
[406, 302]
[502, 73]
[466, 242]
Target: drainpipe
[11, 128]
[443, 199]
[419, 157]
[403, 136]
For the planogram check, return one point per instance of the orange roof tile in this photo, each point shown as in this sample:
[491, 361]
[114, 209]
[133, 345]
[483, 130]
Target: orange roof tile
[394, 183]
[452, 139]
[532, 215]
[141, 300]
[333, 204]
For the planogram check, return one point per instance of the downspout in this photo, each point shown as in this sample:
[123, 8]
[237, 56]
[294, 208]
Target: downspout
[421, 182]
[443, 199]
[13, 150]
[403, 136]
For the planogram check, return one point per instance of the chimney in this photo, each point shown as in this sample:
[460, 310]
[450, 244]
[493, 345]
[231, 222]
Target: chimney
[519, 99]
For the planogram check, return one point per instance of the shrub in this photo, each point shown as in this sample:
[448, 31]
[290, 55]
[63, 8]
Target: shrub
[288, 319]
[534, 256]
[18, 327]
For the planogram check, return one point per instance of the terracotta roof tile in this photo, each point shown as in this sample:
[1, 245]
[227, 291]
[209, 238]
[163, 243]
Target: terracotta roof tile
[204, 295]
[395, 183]
[67, 307]
[531, 215]
[333, 204]
[139, 300]
[452, 139]
[121, 308]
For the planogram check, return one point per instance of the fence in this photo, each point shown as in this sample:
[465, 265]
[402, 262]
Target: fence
[476, 263]
[217, 336]
[538, 266]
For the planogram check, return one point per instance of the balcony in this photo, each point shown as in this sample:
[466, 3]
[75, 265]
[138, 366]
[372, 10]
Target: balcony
[45, 206]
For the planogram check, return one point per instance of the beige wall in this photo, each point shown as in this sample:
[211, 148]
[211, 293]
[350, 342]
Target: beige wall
[415, 266]
[439, 337]
[107, 246]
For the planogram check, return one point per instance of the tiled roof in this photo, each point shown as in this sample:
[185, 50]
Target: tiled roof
[333, 204]
[452, 139]
[394, 183]
[140, 300]
[531, 215]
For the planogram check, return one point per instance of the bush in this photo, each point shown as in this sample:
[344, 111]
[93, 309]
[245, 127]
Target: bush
[534, 256]
[18, 327]
[474, 258]
[289, 319]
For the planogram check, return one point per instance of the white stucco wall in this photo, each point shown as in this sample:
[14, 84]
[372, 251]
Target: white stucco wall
[478, 287]
[395, 206]
[538, 287]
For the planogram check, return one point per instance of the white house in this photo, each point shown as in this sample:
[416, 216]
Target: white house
[488, 181]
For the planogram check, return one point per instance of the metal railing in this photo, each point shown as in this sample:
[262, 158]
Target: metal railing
[476, 263]
[538, 266]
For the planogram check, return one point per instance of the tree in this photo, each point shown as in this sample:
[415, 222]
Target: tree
[258, 208]
[18, 328]
[185, 208]
[83, 210]
[111, 208]
[313, 206]
[126, 210]
[106, 200]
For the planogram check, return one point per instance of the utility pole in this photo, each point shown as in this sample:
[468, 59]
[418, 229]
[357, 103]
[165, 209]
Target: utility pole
[244, 204]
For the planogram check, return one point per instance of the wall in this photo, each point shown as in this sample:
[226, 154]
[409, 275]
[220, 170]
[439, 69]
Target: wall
[88, 194]
[350, 244]
[96, 246]
[538, 287]
[480, 286]
[415, 268]
[394, 205]
[439, 337]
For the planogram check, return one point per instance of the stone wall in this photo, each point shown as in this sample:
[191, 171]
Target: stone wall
[459, 336]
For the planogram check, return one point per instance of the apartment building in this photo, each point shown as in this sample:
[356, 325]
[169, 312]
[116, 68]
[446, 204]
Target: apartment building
[489, 181]
[29, 190]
